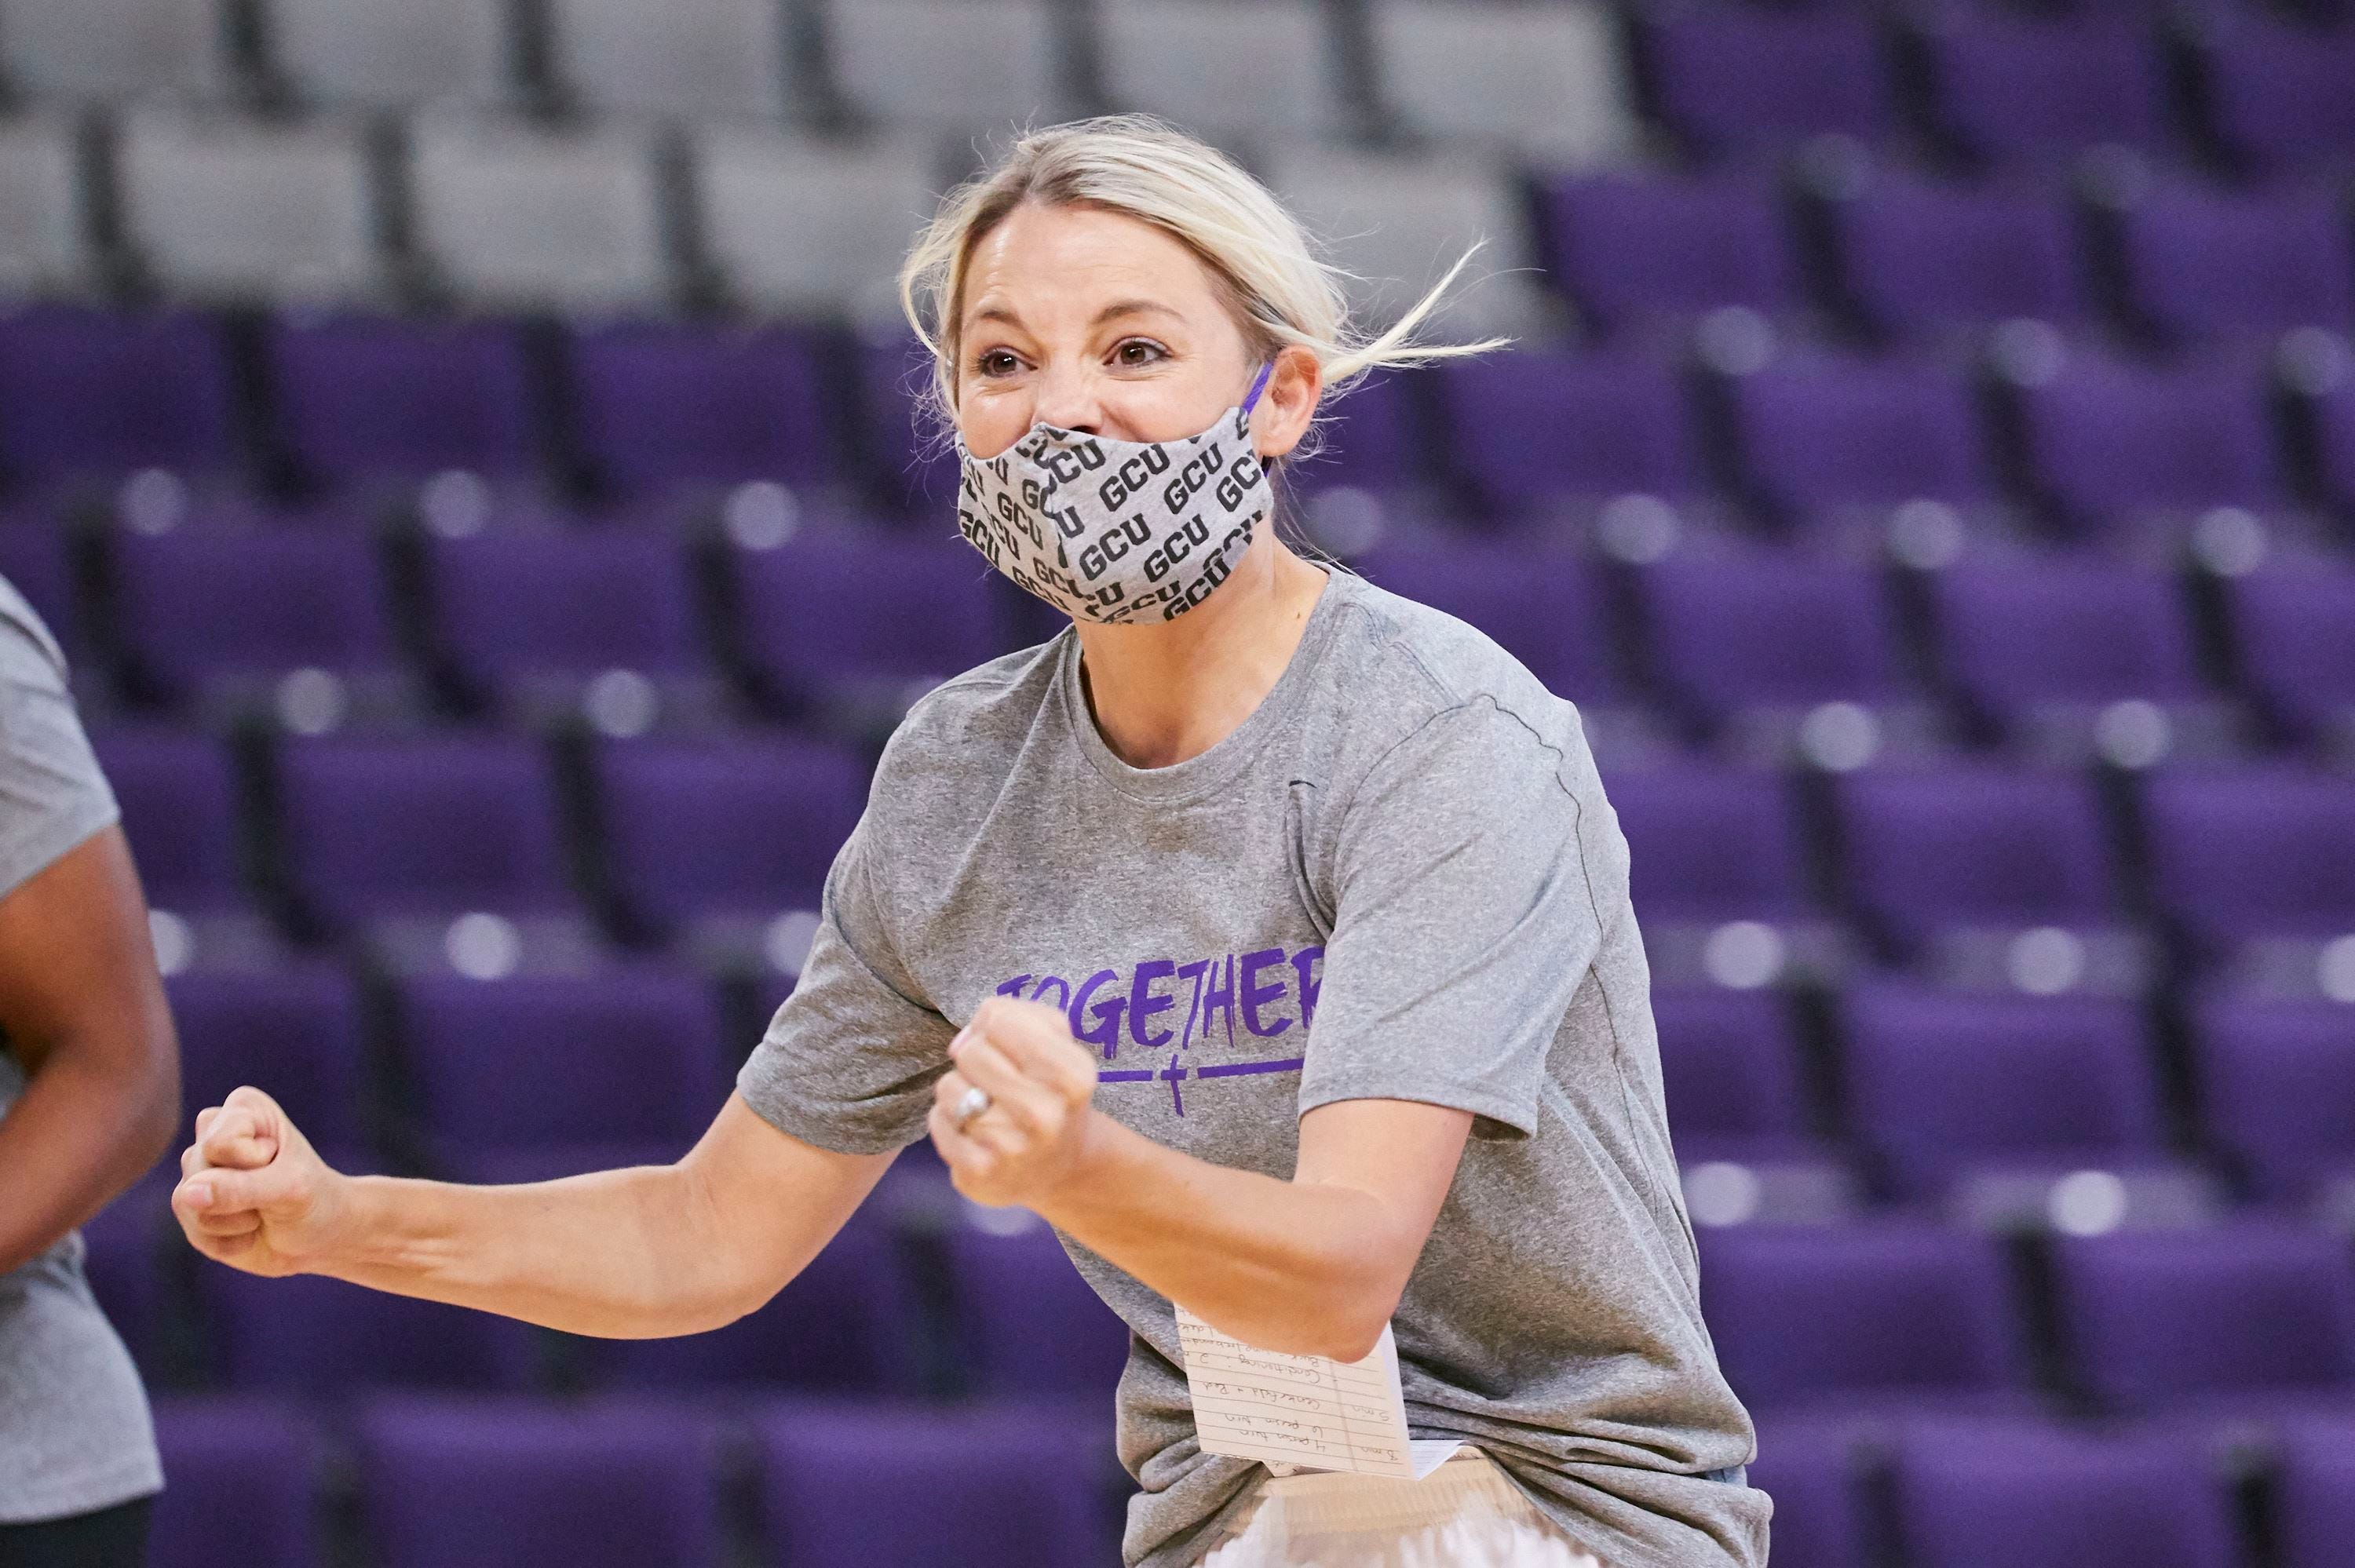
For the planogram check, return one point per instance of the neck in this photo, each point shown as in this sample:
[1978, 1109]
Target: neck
[1164, 692]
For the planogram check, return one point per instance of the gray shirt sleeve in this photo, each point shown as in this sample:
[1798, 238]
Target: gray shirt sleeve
[52, 795]
[849, 1060]
[1463, 922]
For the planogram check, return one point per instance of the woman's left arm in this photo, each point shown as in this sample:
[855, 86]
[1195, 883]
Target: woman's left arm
[1314, 1265]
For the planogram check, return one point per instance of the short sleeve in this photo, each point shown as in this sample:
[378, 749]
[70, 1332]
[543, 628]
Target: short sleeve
[1463, 923]
[52, 795]
[849, 1060]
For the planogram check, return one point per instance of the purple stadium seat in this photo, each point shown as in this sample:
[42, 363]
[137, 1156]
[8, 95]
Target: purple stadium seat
[455, 1483]
[836, 611]
[1810, 1469]
[2255, 1317]
[858, 1487]
[1025, 1323]
[439, 825]
[293, 1032]
[200, 605]
[365, 398]
[1980, 1495]
[1526, 429]
[1864, 1318]
[1730, 1062]
[1822, 432]
[1736, 78]
[1710, 844]
[2314, 1494]
[2013, 88]
[83, 392]
[507, 607]
[2276, 91]
[179, 798]
[1630, 250]
[1543, 608]
[125, 1246]
[729, 828]
[1938, 849]
[630, 1054]
[1921, 256]
[2294, 629]
[913, 463]
[658, 404]
[2276, 1089]
[2065, 632]
[241, 1470]
[1770, 628]
[2107, 440]
[2205, 262]
[1940, 1081]
[1371, 438]
[312, 1336]
[2255, 852]
[36, 559]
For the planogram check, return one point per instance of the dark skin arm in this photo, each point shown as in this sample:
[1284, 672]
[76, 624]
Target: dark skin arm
[83, 1011]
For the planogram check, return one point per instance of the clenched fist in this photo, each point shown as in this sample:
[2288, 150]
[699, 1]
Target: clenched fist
[253, 1194]
[1041, 1084]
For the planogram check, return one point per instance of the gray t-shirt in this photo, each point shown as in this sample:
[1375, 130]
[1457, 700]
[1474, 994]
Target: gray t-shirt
[1398, 878]
[74, 1429]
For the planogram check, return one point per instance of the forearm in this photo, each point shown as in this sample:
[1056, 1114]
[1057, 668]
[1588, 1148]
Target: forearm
[1297, 1266]
[625, 1254]
[85, 1128]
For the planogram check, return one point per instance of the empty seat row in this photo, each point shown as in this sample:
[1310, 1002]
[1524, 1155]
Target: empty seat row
[2107, 1497]
[451, 1481]
[1554, 82]
[2117, 451]
[2249, 1321]
[1952, 1098]
[1935, 1085]
[2059, 656]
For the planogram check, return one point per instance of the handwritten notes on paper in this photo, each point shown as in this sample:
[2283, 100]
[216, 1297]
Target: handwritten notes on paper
[1307, 1410]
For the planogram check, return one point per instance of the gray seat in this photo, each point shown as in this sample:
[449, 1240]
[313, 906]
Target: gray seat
[962, 65]
[112, 50]
[231, 210]
[1399, 223]
[1223, 67]
[41, 234]
[371, 54]
[1543, 80]
[690, 58]
[517, 217]
[795, 224]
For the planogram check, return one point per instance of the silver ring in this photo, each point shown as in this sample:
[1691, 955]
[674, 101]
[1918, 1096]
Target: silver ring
[971, 1104]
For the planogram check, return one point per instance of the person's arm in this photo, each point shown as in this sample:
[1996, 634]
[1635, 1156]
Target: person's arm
[83, 1012]
[1313, 1266]
[639, 1253]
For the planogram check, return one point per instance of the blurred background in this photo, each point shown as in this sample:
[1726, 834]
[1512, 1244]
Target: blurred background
[454, 439]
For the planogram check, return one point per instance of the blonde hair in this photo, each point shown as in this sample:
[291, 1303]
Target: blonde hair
[1283, 293]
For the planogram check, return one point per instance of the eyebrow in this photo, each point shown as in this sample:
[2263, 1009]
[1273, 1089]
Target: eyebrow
[1113, 311]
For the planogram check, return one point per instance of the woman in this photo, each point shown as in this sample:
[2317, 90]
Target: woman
[1265, 933]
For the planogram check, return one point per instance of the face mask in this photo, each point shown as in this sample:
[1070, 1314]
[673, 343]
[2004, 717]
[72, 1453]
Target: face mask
[1115, 531]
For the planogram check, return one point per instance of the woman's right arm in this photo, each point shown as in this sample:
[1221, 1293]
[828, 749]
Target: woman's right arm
[641, 1252]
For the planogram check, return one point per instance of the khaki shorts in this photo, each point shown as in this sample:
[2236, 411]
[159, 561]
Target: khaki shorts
[1465, 1514]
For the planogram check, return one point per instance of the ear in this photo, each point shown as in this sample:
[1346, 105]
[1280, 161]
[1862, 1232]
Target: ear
[1289, 403]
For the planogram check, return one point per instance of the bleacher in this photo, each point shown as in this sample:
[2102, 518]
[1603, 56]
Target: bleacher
[442, 433]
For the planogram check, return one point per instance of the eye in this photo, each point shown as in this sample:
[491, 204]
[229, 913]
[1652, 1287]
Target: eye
[996, 362]
[1137, 351]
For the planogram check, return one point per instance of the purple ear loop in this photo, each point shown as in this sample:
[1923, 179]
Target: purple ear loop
[1257, 386]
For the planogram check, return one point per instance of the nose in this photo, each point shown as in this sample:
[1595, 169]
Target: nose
[1067, 399]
